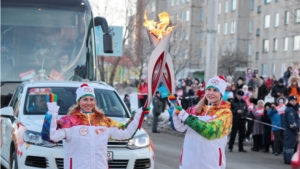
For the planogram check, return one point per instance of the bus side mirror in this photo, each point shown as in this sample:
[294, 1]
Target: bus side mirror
[107, 38]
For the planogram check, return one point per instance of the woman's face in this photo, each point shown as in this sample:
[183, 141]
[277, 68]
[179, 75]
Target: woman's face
[87, 103]
[213, 95]
[294, 83]
[267, 108]
[260, 104]
[233, 88]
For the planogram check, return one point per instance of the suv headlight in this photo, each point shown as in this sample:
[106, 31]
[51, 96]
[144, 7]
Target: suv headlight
[35, 138]
[139, 141]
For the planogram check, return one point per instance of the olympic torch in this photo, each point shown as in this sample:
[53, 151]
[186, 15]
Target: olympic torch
[160, 66]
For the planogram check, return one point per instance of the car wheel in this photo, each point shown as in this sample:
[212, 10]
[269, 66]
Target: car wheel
[13, 161]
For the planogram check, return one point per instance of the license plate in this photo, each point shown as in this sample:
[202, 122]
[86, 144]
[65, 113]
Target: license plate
[109, 155]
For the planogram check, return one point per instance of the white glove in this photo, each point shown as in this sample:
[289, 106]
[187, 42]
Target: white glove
[183, 115]
[139, 111]
[52, 108]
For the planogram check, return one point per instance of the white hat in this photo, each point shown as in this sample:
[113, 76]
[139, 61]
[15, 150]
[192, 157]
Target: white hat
[84, 90]
[217, 82]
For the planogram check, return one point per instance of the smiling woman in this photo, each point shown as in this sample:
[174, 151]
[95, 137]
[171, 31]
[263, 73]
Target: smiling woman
[86, 125]
[207, 127]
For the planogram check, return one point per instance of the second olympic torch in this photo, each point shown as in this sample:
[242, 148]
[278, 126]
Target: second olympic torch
[160, 66]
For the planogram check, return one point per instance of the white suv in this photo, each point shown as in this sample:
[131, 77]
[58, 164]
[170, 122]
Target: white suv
[21, 143]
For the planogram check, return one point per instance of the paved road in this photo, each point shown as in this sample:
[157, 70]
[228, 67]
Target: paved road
[168, 146]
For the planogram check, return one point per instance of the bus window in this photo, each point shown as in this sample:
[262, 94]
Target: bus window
[34, 41]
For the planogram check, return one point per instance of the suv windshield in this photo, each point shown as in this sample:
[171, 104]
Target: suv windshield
[107, 100]
[43, 43]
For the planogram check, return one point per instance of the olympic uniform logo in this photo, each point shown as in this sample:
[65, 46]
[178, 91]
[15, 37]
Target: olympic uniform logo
[214, 82]
[83, 131]
[88, 90]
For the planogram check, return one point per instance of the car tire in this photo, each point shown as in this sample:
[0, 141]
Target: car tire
[13, 161]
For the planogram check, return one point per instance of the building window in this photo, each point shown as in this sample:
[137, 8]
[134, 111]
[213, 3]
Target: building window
[275, 44]
[166, 5]
[267, 1]
[172, 2]
[285, 44]
[265, 45]
[225, 28]
[232, 27]
[177, 2]
[219, 8]
[250, 26]
[267, 21]
[186, 35]
[226, 7]
[224, 50]
[202, 15]
[187, 15]
[257, 32]
[219, 29]
[256, 55]
[201, 35]
[259, 9]
[200, 53]
[297, 15]
[273, 68]
[250, 49]
[251, 5]
[182, 1]
[231, 48]
[153, 7]
[297, 42]
[286, 17]
[264, 69]
[276, 20]
[233, 5]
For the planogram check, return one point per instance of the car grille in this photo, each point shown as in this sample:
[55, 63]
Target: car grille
[114, 164]
[59, 163]
[34, 161]
[110, 143]
[142, 163]
[117, 164]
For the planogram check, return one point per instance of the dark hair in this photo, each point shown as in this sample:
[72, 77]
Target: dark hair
[197, 80]
[250, 88]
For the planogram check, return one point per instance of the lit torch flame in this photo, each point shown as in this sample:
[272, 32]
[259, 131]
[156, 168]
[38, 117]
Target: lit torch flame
[159, 29]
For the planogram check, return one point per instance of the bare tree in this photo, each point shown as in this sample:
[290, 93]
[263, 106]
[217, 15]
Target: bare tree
[229, 61]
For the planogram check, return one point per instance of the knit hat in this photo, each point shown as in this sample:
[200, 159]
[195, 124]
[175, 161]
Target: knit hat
[280, 80]
[84, 90]
[292, 98]
[217, 82]
[240, 92]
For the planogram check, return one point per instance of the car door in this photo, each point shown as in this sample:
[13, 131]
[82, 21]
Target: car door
[8, 123]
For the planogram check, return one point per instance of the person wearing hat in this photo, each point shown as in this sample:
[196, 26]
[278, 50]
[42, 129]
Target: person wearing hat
[127, 101]
[279, 90]
[291, 126]
[157, 109]
[277, 127]
[206, 128]
[240, 83]
[257, 133]
[254, 83]
[85, 130]
[267, 129]
[294, 87]
[262, 89]
[239, 110]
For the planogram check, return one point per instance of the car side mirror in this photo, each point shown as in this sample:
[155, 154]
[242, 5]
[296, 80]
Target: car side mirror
[107, 38]
[7, 112]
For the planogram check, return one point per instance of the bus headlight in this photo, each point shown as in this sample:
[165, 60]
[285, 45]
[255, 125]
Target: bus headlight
[35, 138]
[139, 141]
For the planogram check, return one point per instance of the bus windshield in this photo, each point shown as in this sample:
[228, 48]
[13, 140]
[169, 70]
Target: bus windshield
[43, 43]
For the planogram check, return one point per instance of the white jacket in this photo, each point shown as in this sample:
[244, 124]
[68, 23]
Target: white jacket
[85, 146]
[199, 152]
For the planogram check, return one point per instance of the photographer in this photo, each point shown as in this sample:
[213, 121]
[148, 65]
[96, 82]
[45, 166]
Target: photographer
[239, 111]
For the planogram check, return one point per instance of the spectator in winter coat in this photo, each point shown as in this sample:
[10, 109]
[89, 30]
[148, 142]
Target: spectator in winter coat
[240, 83]
[294, 87]
[274, 80]
[257, 132]
[277, 129]
[279, 90]
[262, 90]
[239, 111]
[254, 83]
[287, 74]
[267, 129]
[291, 126]
[127, 101]
[269, 84]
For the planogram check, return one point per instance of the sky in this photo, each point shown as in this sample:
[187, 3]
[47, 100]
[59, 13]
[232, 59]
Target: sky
[112, 10]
